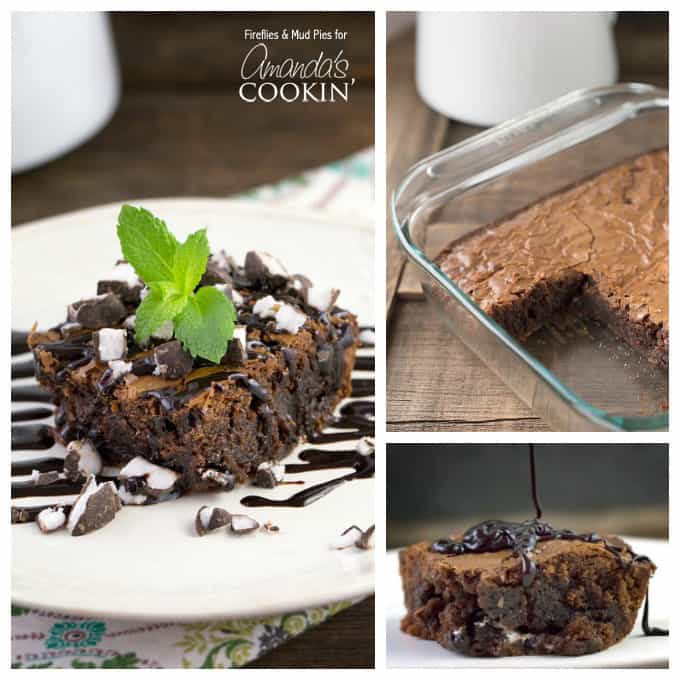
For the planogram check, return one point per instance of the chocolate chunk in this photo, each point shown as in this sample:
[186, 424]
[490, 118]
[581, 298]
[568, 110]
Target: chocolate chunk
[94, 508]
[45, 478]
[209, 519]
[217, 272]
[365, 541]
[139, 474]
[70, 330]
[236, 354]
[222, 480]
[172, 361]
[301, 284]
[263, 268]
[81, 460]
[99, 312]
[123, 282]
[269, 475]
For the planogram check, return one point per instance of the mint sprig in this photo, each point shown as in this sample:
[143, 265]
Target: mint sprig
[203, 320]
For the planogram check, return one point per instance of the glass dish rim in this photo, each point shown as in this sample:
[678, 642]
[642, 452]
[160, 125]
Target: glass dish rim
[584, 408]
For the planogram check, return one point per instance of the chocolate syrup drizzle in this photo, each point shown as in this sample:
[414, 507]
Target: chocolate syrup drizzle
[521, 538]
[363, 467]
[35, 413]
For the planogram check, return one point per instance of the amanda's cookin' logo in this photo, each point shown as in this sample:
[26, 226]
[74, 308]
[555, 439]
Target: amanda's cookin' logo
[322, 79]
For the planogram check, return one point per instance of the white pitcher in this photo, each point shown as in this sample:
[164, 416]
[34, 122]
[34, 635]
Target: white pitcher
[65, 82]
[486, 67]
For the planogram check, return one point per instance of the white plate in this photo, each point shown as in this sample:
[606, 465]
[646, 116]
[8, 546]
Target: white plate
[148, 564]
[59, 259]
[406, 651]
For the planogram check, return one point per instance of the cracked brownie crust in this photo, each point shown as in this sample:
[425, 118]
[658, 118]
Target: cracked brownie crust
[601, 245]
[583, 598]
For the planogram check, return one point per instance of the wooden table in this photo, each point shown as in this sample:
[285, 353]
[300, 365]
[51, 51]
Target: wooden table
[180, 130]
[434, 383]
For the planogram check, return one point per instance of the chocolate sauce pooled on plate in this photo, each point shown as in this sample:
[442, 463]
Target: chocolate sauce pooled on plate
[522, 537]
[19, 342]
[23, 369]
[364, 467]
[35, 413]
[35, 436]
[31, 393]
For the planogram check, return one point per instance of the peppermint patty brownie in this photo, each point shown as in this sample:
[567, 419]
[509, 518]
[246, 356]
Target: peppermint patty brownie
[286, 367]
[600, 246]
[506, 589]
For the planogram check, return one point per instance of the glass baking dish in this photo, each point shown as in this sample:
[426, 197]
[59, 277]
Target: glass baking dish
[578, 377]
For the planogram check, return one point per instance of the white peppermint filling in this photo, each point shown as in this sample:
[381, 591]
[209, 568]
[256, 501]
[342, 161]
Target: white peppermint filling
[51, 519]
[89, 460]
[112, 343]
[164, 331]
[158, 478]
[287, 317]
[204, 516]
[130, 322]
[242, 523]
[144, 292]
[125, 273]
[119, 368]
[321, 298]
[236, 298]
[346, 540]
[266, 307]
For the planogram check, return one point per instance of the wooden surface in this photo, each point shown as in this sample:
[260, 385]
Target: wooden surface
[180, 130]
[346, 641]
[413, 132]
[420, 349]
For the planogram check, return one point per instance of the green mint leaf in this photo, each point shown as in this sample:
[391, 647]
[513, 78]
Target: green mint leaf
[161, 304]
[147, 244]
[206, 324]
[190, 262]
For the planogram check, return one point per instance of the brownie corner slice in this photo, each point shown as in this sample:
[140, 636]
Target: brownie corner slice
[583, 598]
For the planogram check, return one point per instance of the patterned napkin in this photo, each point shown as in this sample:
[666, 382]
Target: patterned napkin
[43, 639]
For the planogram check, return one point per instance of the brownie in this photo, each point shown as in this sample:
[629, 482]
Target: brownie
[601, 246]
[287, 367]
[583, 597]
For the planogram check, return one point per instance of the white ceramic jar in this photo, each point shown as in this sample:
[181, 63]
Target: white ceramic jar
[65, 83]
[486, 67]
